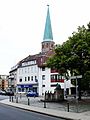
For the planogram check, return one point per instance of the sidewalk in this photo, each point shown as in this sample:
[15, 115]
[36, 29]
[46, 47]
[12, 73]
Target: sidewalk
[71, 104]
[51, 112]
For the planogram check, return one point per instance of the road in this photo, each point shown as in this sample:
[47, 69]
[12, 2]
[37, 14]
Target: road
[2, 97]
[11, 113]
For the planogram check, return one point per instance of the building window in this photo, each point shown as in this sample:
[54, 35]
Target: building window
[52, 45]
[56, 78]
[43, 68]
[35, 69]
[52, 77]
[25, 78]
[20, 80]
[22, 70]
[31, 69]
[47, 45]
[59, 77]
[25, 70]
[19, 89]
[31, 78]
[42, 46]
[36, 79]
[28, 69]
[28, 78]
[43, 85]
[43, 77]
[19, 71]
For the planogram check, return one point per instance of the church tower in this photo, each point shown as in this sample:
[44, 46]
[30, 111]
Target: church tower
[48, 43]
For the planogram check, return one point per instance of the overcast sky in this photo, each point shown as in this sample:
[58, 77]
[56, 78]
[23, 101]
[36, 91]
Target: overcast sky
[22, 25]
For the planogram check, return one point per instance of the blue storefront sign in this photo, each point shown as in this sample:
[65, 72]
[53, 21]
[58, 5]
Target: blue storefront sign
[25, 86]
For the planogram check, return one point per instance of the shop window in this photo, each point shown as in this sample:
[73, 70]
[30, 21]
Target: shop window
[25, 78]
[19, 89]
[22, 89]
[28, 78]
[31, 78]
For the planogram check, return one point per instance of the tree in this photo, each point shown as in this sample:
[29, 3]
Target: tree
[74, 55]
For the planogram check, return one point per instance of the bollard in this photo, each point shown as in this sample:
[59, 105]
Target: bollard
[12, 98]
[16, 99]
[77, 105]
[68, 106]
[20, 96]
[44, 104]
[28, 101]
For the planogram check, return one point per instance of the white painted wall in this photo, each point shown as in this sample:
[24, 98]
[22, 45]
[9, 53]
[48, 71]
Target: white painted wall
[23, 72]
[34, 70]
[45, 82]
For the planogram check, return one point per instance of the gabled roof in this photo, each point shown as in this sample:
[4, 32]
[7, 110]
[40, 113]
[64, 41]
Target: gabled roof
[40, 58]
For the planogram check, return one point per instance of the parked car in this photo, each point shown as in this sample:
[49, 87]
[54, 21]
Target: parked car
[32, 94]
[2, 92]
[10, 93]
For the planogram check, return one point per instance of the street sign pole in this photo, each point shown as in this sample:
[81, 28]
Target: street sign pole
[76, 96]
[76, 77]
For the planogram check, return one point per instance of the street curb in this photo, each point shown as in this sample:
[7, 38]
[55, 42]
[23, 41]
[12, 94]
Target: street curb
[34, 110]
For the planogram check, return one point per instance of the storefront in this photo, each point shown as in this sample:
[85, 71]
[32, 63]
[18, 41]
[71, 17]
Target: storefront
[27, 87]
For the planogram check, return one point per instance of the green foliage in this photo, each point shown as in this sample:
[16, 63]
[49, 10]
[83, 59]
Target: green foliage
[74, 56]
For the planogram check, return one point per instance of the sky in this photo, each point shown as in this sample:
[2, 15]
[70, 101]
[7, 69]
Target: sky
[22, 24]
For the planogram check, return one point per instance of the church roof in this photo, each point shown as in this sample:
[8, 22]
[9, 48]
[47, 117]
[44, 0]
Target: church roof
[48, 36]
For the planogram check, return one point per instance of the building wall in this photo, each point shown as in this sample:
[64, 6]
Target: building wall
[13, 80]
[3, 82]
[27, 71]
[44, 80]
[47, 46]
[27, 75]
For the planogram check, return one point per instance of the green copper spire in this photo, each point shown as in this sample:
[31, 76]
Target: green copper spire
[48, 36]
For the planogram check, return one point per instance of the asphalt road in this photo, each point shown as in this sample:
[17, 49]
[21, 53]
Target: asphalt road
[11, 113]
[2, 97]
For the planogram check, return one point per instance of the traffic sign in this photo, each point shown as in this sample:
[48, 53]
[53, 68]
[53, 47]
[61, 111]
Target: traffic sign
[75, 77]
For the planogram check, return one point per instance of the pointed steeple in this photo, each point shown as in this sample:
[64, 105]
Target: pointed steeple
[48, 36]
